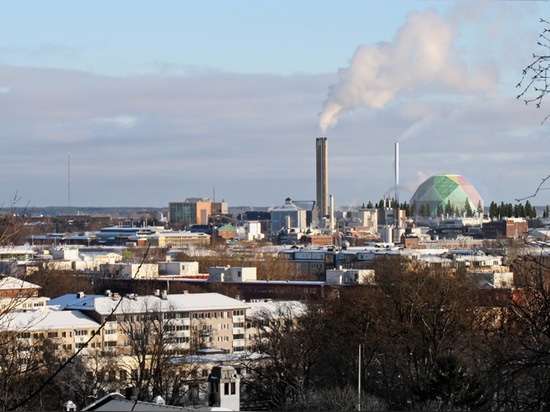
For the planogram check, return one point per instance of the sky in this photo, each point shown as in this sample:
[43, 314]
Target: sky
[141, 103]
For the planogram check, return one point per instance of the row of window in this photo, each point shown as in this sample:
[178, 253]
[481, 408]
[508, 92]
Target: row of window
[209, 315]
[176, 315]
[53, 335]
[183, 339]
[176, 328]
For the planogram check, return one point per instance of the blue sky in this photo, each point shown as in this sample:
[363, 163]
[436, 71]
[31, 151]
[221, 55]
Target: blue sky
[160, 101]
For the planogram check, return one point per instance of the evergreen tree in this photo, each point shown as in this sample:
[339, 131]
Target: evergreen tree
[493, 210]
[422, 212]
[449, 208]
[479, 208]
[468, 208]
[529, 210]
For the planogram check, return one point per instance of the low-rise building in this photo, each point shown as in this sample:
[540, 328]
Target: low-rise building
[350, 277]
[176, 238]
[513, 228]
[19, 295]
[130, 270]
[188, 269]
[232, 274]
[249, 231]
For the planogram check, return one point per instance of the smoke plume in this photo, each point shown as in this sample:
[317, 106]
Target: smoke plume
[421, 54]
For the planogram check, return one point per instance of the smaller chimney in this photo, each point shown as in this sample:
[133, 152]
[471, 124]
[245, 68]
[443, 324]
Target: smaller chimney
[131, 393]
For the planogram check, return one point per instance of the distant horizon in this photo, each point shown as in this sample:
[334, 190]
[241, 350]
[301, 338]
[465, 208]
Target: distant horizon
[19, 210]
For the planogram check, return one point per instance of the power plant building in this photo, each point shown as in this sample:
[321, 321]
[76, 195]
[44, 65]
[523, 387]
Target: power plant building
[288, 216]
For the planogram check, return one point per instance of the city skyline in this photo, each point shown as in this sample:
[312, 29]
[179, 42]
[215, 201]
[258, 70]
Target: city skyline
[158, 103]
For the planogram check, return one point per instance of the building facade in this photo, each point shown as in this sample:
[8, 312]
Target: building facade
[288, 216]
[189, 322]
[193, 211]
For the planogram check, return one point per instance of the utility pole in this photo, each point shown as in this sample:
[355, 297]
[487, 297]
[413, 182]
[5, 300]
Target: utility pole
[359, 381]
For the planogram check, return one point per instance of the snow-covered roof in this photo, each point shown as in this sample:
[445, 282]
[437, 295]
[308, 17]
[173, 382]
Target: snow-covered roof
[104, 305]
[11, 283]
[276, 308]
[17, 250]
[46, 320]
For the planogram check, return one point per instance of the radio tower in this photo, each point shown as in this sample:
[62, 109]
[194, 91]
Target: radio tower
[69, 179]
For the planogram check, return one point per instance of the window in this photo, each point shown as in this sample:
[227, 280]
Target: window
[81, 333]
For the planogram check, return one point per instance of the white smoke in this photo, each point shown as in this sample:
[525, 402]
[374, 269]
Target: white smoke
[421, 54]
[419, 126]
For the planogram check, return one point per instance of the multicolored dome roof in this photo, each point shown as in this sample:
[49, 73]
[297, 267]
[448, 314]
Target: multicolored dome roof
[444, 189]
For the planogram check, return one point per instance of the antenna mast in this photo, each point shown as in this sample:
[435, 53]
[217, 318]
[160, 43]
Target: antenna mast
[69, 179]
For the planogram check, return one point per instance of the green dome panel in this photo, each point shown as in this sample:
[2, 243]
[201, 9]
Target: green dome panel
[442, 189]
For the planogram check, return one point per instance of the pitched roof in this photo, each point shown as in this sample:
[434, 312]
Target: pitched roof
[11, 283]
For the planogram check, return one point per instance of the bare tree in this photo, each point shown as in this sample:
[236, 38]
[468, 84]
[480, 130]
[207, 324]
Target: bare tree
[287, 338]
[157, 360]
[535, 76]
[535, 79]
[524, 374]
[90, 377]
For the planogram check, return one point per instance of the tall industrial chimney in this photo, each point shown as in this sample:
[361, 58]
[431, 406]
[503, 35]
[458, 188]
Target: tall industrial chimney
[322, 176]
[397, 172]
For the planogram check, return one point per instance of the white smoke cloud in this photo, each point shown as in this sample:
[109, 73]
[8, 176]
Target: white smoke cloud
[421, 54]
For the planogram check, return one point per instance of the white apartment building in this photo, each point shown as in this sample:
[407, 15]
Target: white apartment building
[191, 321]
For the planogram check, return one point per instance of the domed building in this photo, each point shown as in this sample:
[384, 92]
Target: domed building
[446, 193]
